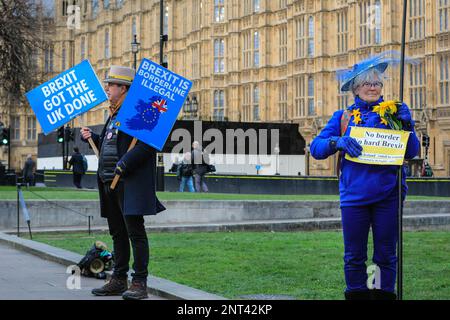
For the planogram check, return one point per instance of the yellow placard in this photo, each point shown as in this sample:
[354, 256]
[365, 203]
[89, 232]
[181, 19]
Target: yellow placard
[380, 146]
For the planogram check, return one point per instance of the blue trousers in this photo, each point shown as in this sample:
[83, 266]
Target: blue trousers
[356, 222]
[187, 181]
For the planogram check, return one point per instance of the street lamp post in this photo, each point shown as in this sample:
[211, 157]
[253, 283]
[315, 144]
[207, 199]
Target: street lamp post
[194, 107]
[135, 49]
[190, 108]
[162, 38]
[187, 105]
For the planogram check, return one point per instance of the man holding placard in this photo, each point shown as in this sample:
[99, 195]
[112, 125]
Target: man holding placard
[133, 197]
[373, 138]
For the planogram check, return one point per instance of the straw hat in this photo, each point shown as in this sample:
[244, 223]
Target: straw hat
[120, 75]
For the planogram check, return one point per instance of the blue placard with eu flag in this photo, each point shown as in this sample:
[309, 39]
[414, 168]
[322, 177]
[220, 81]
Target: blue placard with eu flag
[153, 103]
[66, 96]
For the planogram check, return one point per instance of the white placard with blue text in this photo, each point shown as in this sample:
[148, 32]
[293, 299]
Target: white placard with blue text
[66, 96]
[153, 103]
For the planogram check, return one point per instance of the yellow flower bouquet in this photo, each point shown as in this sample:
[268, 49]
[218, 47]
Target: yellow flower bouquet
[387, 111]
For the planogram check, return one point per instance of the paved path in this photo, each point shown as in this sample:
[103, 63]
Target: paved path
[27, 277]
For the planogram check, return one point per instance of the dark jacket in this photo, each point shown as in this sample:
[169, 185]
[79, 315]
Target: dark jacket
[28, 169]
[77, 163]
[201, 161]
[139, 180]
[185, 169]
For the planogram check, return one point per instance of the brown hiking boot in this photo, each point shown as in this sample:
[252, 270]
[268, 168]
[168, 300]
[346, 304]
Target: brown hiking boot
[137, 291]
[115, 287]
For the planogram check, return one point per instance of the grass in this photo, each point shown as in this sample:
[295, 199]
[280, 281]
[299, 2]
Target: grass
[35, 193]
[306, 265]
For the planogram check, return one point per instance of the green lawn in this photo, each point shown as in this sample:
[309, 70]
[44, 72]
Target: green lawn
[306, 265]
[9, 193]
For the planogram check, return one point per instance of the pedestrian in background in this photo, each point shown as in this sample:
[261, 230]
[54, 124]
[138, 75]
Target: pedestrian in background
[176, 163]
[78, 165]
[201, 161]
[29, 170]
[185, 173]
[427, 171]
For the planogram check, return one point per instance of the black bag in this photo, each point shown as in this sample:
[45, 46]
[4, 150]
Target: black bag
[186, 170]
[85, 164]
[210, 168]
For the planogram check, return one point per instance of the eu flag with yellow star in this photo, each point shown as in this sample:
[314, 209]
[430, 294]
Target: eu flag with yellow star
[147, 114]
[152, 104]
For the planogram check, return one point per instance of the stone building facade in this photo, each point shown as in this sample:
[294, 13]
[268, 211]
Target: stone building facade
[271, 60]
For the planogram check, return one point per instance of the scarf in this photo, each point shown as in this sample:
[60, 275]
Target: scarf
[364, 105]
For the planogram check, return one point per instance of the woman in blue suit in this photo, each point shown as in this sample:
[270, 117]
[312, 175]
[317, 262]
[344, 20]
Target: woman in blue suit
[368, 193]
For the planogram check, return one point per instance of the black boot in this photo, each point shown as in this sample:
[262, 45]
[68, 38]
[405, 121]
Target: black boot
[377, 294]
[137, 291]
[357, 295]
[115, 287]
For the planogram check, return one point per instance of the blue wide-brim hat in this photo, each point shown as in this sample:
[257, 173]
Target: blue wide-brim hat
[357, 70]
[379, 62]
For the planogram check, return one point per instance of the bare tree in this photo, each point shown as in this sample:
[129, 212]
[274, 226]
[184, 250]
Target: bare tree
[24, 27]
[21, 38]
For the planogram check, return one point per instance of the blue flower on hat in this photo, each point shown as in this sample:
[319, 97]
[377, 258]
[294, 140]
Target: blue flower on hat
[379, 62]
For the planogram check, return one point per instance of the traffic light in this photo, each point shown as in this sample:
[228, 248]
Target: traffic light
[60, 137]
[4, 138]
[69, 134]
[425, 141]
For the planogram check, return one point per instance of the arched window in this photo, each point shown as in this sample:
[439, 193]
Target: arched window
[94, 8]
[219, 10]
[444, 9]
[219, 105]
[63, 59]
[119, 3]
[256, 115]
[311, 110]
[256, 5]
[256, 49]
[83, 48]
[107, 53]
[377, 21]
[219, 51]
[311, 36]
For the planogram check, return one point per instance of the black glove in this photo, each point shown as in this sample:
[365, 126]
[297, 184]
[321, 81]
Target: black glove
[120, 169]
